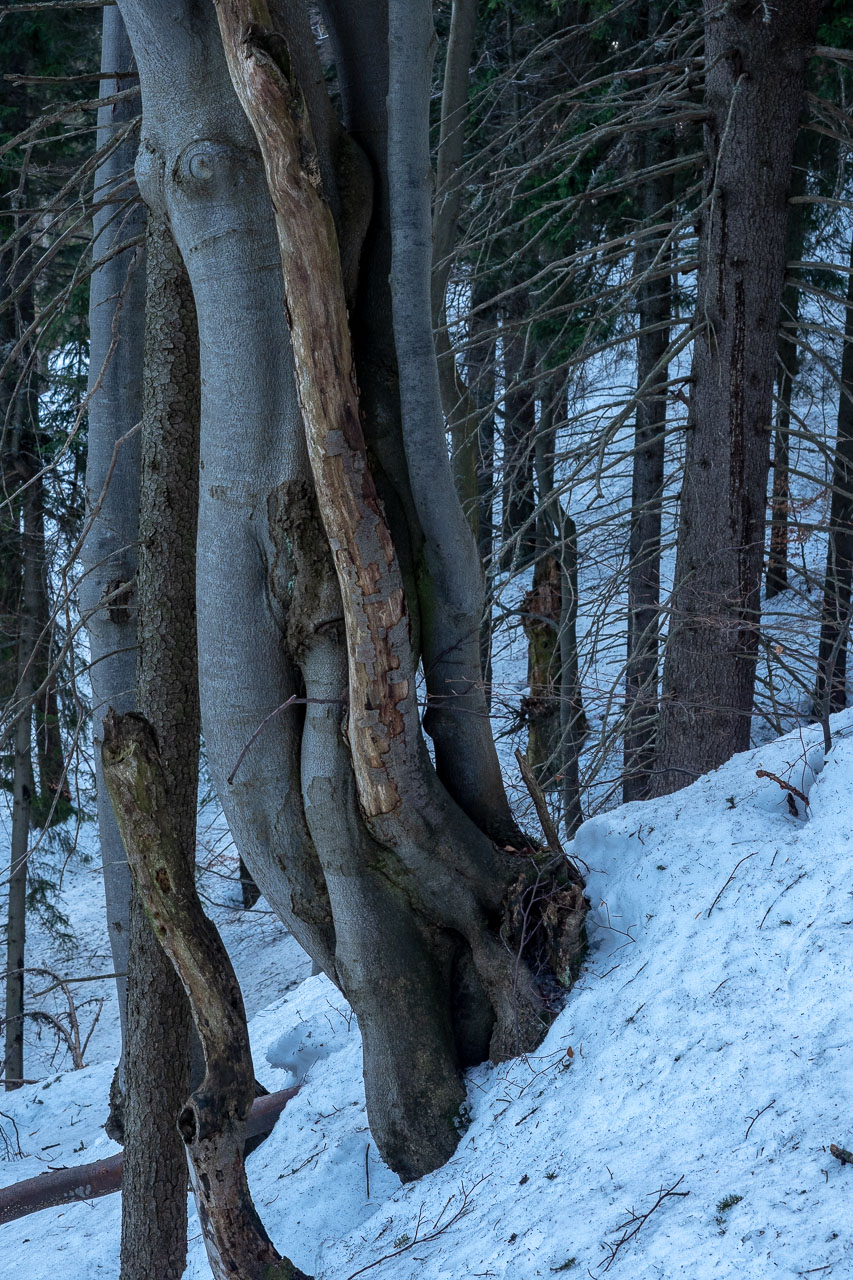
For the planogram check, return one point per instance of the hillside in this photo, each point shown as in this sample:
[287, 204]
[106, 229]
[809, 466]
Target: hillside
[704, 1053]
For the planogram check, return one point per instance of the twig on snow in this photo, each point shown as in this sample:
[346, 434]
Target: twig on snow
[752, 1119]
[464, 1208]
[635, 1221]
[728, 882]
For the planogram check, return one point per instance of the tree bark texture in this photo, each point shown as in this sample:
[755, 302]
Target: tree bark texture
[199, 166]
[212, 1121]
[307, 566]
[108, 585]
[154, 1203]
[756, 59]
[831, 690]
[459, 405]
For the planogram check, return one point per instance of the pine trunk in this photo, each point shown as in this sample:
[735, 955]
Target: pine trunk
[756, 60]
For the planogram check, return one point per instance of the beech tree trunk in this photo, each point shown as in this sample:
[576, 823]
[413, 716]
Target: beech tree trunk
[108, 585]
[315, 575]
[756, 57]
[154, 1202]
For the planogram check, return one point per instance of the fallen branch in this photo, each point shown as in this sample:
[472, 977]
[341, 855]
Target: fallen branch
[635, 1221]
[786, 786]
[103, 1177]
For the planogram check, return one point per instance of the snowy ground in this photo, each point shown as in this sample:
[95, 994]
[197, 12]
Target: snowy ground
[704, 1052]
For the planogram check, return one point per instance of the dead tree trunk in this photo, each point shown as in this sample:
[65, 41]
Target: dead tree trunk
[212, 1121]
[756, 59]
[154, 1204]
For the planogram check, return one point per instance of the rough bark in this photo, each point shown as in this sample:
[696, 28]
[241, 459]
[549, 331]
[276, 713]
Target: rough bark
[654, 309]
[212, 1121]
[573, 721]
[831, 689]
[518, 499]
[756, 59]
[154, 1203]
[107, 588]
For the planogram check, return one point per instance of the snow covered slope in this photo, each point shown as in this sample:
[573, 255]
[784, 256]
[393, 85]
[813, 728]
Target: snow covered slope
[705, 1053]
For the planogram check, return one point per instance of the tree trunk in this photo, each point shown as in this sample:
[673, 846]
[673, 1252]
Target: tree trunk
[481, 381]
[212, 1121]
[654, 312]
[518, 502]
[756, 59]
[22, 794]
[831, 689]
[108, 586]
[777, 561]
[354, 838]
[458, 403]
[154, 1203]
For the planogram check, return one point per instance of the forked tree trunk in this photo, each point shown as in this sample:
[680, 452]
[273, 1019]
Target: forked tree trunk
[154, 1203]
[354, 838]
[756, 58]
[831, 690]
[107, 588]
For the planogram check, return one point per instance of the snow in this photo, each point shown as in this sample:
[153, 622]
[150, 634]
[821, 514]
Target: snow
[704, 1051]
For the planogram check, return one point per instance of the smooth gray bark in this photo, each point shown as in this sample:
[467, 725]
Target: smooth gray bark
[452, 592]
[107, 588]
[199, 165]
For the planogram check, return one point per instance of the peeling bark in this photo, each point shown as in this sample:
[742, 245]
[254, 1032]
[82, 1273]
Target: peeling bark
[212, 1122]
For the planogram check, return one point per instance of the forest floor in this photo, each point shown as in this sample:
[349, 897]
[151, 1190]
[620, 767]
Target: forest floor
[676, 1121]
